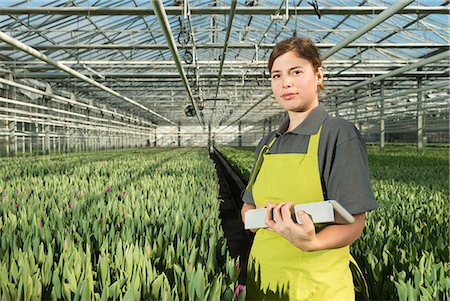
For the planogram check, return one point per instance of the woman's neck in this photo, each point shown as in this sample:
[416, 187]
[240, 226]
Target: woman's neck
[296, 118]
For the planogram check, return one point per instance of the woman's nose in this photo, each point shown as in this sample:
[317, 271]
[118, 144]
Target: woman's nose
[287, 82]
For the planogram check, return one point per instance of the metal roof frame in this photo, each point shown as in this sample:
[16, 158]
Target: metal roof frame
[128, 55]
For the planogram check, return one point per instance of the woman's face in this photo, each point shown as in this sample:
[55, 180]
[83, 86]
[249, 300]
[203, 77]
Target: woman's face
[295, 83]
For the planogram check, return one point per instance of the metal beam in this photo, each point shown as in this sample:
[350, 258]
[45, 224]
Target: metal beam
[73, 102]
[228, 74]
[437, 57]
[164, 22]
[31, 51]
[374, 100]
[163, 64]
[387, 13]
[225, 10]
[222, 58]
[251, 108]
[246, 45]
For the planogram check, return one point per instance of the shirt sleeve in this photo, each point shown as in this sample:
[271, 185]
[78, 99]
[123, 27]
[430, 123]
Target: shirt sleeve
[346, 173]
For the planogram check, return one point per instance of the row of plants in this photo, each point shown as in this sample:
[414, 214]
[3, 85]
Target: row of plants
[240, 160]
[404, 250]
[113, 225]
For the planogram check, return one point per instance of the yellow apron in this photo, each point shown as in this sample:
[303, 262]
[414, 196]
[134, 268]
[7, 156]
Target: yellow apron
[277, 270]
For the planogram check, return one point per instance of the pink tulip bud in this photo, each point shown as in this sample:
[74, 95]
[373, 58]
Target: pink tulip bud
[108, 189]
[17, 191]
[238, 290]
[5, 178]
[70, 205]
[17, 206]
[78, 193]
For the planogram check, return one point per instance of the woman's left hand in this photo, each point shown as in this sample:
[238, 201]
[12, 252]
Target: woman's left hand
[279, 219]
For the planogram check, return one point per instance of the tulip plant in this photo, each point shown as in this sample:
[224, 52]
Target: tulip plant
[113, 225]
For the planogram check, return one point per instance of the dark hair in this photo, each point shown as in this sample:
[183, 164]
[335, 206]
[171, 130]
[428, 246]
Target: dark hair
[303, 47]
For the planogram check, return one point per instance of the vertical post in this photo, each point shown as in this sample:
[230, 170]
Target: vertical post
[59, 141]
[46, 102]
[239, 134]
[12, 138]
[355, 110]
[46, 147]
[179, 134]
[30, 126]
[53, 139]
[210, 141]
[88, 133]
[382, 125]
[23, 138]
[12, 147]
[420, 117]
[336, 106]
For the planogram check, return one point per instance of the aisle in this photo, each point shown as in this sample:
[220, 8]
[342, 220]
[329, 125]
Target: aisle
[238, 240]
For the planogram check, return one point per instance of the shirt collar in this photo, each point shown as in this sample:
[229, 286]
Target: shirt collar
[310, 125]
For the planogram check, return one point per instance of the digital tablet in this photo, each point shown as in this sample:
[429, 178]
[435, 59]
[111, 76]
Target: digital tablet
[329, 211]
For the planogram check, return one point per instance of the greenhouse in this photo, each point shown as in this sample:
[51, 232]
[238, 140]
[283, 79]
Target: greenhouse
[130, 130]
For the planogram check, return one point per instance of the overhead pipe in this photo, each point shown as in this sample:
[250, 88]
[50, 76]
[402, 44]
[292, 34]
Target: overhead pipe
[222, 59]
[240, 45]
[90, 120]
[16, 43]
[440, 86]
[398, 71]
[65, 100]
[434, 58]
[194, 48]
[387, 13]
[160, 13]
[246, 112]
[217, 10]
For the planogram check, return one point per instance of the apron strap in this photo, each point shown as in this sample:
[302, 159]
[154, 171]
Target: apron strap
[264, 150]
[313, 145]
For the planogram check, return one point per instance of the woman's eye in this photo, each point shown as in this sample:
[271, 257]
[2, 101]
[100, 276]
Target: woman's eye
[297, 71]
[274, 76]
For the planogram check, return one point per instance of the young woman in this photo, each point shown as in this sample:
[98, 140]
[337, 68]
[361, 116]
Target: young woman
[312, 157]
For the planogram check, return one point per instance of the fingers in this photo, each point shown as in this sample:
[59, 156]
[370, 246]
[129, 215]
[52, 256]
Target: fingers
[279, 215]
[305, 220]
[286, 213]
[269, 215]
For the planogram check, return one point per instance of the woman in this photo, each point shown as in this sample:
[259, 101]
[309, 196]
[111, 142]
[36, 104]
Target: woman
[312, 157]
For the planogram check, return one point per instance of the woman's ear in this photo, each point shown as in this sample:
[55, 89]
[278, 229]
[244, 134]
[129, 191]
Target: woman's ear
[319, 75]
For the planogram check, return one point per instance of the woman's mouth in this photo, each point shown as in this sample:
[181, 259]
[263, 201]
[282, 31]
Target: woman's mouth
[288, 96]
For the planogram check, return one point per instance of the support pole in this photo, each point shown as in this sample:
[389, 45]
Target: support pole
[336, 106]
[420, 117]
[382, 118]
[210, 140]
[240, 134]
[179, 134]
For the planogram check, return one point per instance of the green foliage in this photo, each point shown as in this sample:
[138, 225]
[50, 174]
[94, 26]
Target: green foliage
[127, 224]
[241, 160]
[404, 250]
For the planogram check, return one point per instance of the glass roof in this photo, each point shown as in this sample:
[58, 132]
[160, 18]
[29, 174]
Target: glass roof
[125, 46]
